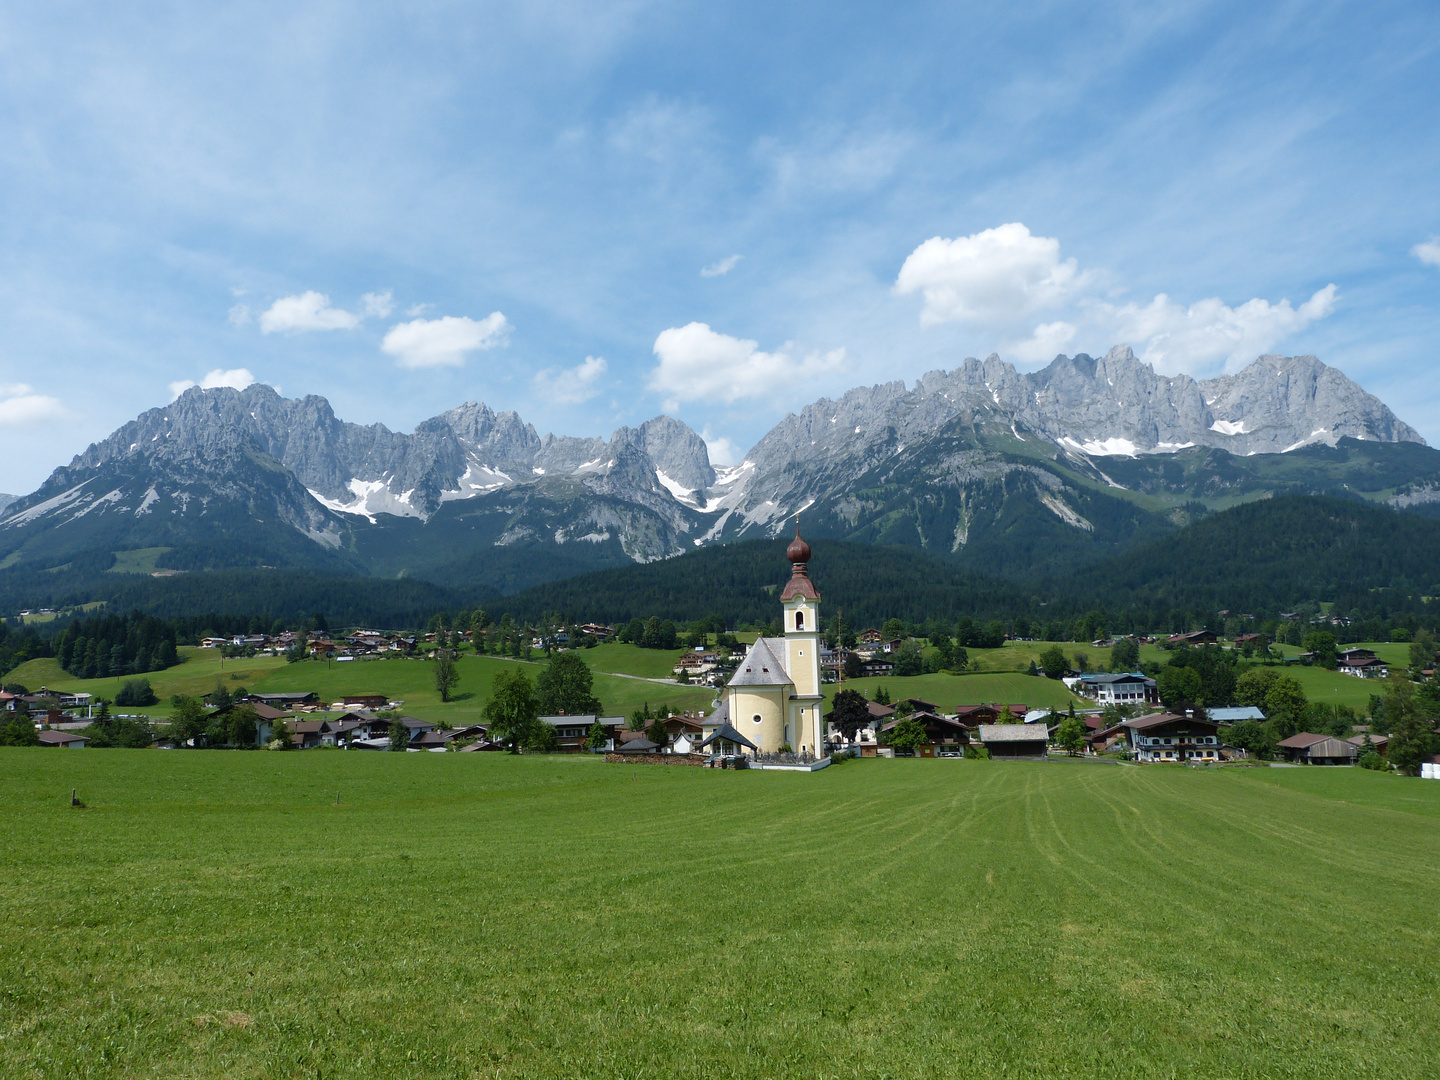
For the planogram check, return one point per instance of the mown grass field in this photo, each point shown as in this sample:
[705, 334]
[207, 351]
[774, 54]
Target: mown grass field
[222, 915]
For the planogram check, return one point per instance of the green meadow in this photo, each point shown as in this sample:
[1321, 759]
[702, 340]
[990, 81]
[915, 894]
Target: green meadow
[619, 688]
[627, 676]
[345, 915]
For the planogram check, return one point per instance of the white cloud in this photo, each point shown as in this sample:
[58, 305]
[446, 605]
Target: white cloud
[1428, 252]
[1209, 332]
[235, 378]
[996, 278]
[696, 362]
[1047, 342]
[992, 278]
[572, 385]
[239, 314]
[724, 266]
[20, 405]
[722, 451]
[418, 309]
[377, 304]
[307, 311]
[445, 341]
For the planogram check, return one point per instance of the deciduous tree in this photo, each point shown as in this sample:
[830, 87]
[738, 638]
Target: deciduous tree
[849, 712]
[512, 709]
[908, 735]
[447, 673]
[1071, 734]
[1053, 661]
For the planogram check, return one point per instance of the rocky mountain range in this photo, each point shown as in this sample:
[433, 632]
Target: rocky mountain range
[987, 464]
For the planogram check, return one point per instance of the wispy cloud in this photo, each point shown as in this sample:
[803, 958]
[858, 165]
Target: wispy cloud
[570, 386]
[724, 266]
[377, 304]
[235, 378]
[20, 405]
[444, 342]
[698, 363]
[1209, 332]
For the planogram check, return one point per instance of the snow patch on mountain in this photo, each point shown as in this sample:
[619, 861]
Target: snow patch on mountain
[372, 497]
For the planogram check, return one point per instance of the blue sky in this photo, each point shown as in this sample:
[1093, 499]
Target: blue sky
[593, 212]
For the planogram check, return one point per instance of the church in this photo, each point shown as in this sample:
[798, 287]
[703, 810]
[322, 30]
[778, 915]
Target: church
[774, 698]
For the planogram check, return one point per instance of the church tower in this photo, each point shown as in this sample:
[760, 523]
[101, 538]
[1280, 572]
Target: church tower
[801, 619]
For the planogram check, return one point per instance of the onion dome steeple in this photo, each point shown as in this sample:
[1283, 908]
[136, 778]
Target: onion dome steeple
[799, 554]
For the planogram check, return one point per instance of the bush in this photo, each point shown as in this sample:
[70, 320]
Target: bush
[136, 692]
[1374, 761]
[19, 731]
[977, 753]
[134, 734]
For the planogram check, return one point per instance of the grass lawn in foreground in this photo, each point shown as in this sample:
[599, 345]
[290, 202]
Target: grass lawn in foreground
[215, 914]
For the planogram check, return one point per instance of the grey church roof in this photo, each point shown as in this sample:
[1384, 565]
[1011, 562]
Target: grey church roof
[728, 734]
[721, 715]
[762, 665]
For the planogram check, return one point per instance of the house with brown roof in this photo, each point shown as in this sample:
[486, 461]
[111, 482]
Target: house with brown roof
[942, 733]
[1307, 748]
[1196, 637]
[1362, 664]
[1172, 737]
[65, 740]
[1379, 743]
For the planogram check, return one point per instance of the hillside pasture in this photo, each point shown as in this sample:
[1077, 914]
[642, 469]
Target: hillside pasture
[197, 674]
[411, 680]
[353, 915]
[949, 692]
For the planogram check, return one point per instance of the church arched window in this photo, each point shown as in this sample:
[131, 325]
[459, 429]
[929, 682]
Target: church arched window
[799, 620]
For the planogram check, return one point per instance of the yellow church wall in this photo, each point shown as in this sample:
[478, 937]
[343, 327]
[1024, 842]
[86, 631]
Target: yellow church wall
[769, 705]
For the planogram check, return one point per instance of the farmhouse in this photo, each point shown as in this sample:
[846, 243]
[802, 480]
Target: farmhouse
[1198, 637]
[941, 732]
[1172, 737]
[572, 731]
[1363, 664]
[774, 698]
